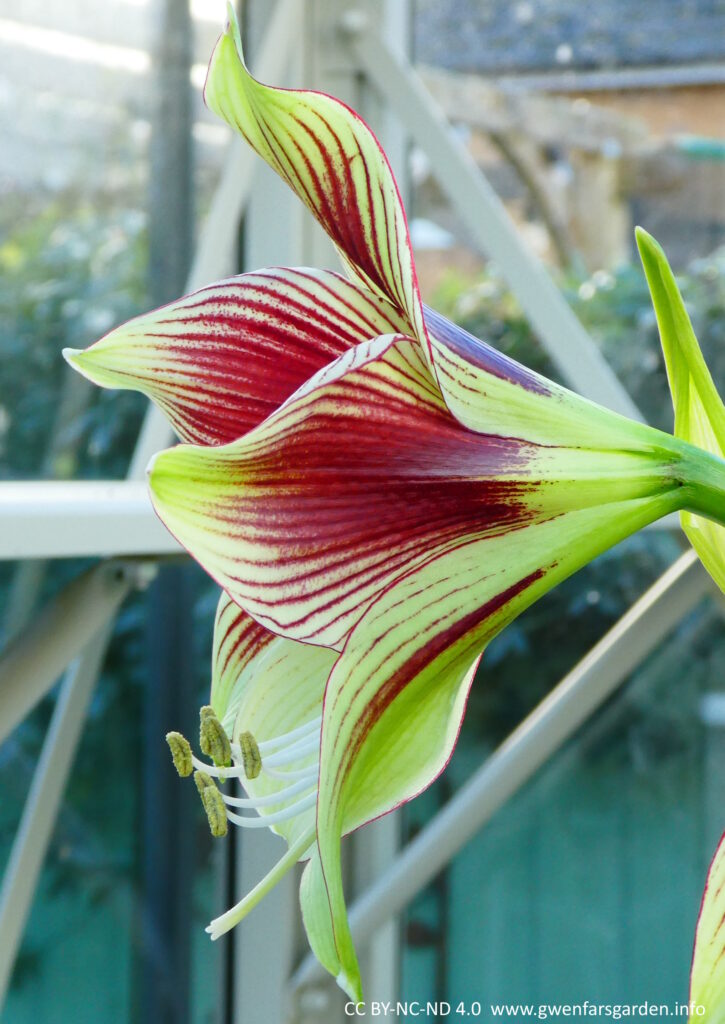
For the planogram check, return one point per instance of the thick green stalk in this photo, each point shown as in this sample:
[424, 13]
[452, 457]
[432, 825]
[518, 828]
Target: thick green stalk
[702, 475]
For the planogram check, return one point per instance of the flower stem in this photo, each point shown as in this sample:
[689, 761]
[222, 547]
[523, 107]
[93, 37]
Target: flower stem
[703, 477]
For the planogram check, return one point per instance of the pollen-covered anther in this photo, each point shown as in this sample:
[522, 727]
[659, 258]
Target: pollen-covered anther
[216, 812]
[180, 752]
[251, 757]
[213, 739]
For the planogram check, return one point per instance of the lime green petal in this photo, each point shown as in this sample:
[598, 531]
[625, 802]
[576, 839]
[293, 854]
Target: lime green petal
[396, 697]
[699, 411]
[318, 925]
[707, 976]
[238, 640]
[268, 686]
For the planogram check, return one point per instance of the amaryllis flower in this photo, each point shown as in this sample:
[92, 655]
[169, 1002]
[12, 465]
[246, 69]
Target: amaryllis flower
[377, 493]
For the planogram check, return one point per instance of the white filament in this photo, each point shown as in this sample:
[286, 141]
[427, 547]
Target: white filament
[273, 819]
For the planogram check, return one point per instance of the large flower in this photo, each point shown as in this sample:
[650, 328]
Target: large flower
[377, 492]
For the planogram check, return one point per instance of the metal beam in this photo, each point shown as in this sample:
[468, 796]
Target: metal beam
[43, 801]
[485, 217]
[72, 519]
[33, 661]
[571, 703]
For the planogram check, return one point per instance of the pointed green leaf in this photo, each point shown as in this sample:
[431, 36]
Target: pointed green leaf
[699, 411]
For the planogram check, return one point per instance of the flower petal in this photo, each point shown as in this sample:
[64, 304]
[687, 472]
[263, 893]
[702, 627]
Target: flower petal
[699, 411]
[327, 154]
[707, 975]
[487, 391]
[396, 697]
[362, 475]
[220, 360]
[238, 640]
[315, 906]
[267, 685]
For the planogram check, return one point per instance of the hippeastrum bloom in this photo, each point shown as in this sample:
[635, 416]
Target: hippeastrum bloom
[377, 492]
[707, 974]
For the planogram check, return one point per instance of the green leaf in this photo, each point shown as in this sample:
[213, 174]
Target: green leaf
[699, 411]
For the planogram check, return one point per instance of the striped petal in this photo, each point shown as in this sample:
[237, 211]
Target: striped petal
[396, 697]
[360, 476]
[699, 411]
[238, 641]
[707, 976]
[332, 161]
[220, 360]
[268, 686]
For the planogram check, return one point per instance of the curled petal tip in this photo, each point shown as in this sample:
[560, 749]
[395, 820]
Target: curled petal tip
[151, 466]
[70, 355]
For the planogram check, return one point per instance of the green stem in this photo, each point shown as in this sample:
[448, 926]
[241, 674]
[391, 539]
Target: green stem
[703, 477]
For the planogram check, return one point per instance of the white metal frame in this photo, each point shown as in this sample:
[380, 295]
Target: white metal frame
[50, 520]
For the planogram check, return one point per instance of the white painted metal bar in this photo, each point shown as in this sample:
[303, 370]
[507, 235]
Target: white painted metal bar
[485, 217]
[36, 658]
[41, 807]
[541, 734]
[77, 518]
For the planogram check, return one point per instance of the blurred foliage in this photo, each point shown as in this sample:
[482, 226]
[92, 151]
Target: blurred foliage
[67, 275]
[69, 271]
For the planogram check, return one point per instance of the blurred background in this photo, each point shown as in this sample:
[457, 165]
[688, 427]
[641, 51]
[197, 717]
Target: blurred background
[585, 120]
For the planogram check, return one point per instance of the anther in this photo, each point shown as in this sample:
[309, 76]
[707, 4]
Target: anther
[213, 739]
[180, 752]
[251, 758]
[203, 781]
[216, 812]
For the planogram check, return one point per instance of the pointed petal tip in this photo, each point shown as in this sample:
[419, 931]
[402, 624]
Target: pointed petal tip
[70, 355]
[352, 987]
[152, 465]
[81, 360]
[232, 26]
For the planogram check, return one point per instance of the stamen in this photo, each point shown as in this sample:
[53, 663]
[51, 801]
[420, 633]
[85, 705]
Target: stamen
[290, 775]
[180, 753]
[251, 757]
[262, 821]
[294, 752]
[235, 772]
[272, 798]
[213, 739]
[235, 914]
[216, 812]
[267, 746]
